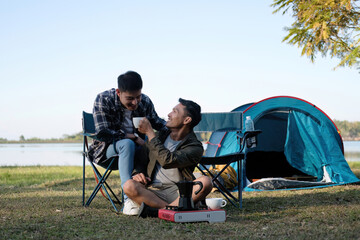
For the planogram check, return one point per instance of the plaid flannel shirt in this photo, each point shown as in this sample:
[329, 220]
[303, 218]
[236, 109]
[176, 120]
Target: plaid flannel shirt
[109, 117]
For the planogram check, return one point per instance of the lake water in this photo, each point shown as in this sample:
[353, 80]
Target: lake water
[70, 154]
[46, 154]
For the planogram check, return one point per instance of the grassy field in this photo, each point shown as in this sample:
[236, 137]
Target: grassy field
[46, 203]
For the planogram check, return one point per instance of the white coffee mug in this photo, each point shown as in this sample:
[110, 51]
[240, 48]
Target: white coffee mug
[136, 121]
[215, 203]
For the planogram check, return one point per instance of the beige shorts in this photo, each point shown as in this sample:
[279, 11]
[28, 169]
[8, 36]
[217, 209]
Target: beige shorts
[168, 193]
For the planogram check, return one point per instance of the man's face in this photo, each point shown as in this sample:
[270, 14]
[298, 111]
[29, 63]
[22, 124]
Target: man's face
[177, 117]
[130, 100]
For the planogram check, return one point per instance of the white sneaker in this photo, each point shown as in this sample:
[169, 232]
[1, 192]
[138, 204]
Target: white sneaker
[130, 207]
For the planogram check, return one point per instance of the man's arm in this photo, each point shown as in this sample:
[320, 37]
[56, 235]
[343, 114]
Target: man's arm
[103, 118]
[187, 155]
[156, 122]
[141, 161]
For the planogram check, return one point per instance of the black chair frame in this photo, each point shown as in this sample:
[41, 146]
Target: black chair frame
[226, 160]
[109, 164]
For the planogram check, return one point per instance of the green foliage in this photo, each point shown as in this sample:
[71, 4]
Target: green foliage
[22, 138]
[74, 138]
[324, 26]
[349, 130]
[354, 166]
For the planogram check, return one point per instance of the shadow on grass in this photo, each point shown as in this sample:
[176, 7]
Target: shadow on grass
[253, 202]
[275, 203]
[54, 210]
[60, 185]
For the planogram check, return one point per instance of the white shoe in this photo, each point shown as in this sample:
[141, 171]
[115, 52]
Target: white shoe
[130, 208]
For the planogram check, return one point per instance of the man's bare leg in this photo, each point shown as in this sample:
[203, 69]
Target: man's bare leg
[139, 194]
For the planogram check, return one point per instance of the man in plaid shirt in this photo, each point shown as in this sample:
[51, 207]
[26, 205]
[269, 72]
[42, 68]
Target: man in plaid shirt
[113, 112]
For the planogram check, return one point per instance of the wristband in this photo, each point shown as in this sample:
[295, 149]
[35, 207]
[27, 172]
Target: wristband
[136, 136]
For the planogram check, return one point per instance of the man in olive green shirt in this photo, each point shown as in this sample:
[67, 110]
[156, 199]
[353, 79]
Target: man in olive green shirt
[171, 156]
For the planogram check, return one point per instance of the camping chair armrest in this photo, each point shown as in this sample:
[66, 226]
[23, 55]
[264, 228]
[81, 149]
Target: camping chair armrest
[225, 159]
[102, 136]
[91, 135]
[248, 134]
[243, 136]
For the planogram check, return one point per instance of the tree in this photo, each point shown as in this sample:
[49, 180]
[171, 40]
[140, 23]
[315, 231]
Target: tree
[348, 130]
[22, 138]
[324, 26]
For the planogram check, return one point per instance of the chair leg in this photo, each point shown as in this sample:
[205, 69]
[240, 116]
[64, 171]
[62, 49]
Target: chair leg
[102, 184]
[226, 193]
[107, 187]
[114, 195]
[83, 195]
[239, 177]
[98, 187]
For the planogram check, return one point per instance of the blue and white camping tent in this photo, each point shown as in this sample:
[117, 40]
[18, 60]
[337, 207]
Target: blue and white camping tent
[300, 146]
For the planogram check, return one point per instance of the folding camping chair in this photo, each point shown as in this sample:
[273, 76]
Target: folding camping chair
[219, 124]
[109, 164]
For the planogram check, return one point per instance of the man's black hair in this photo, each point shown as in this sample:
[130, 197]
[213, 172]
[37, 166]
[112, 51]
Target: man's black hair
[193, 110]
[129, 82]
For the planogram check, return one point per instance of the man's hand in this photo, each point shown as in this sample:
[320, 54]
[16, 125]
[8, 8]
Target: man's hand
[146, 128]
[137, 140]
[140, 177]
[140, 141]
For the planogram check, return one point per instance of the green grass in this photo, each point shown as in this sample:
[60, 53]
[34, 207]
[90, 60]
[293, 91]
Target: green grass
[45, 203]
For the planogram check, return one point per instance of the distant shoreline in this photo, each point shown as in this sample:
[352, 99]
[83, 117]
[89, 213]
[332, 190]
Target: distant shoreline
[23, 142]
[351, 139]
[64, 141]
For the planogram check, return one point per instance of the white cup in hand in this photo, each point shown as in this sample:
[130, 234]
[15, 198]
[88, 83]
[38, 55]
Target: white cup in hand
[136, 121]
[215, 203]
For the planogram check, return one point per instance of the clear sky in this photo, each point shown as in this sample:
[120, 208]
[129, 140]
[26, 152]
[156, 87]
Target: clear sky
[57, 55]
